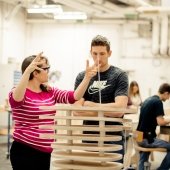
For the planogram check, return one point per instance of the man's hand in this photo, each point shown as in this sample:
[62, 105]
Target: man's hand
[91, 71]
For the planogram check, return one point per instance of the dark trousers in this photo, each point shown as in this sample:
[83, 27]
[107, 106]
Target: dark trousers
[122, 152]
[121, 142]
[23, 157]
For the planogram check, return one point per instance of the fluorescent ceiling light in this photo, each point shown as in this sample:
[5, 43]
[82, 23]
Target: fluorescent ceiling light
[71, 15]
[45, 9]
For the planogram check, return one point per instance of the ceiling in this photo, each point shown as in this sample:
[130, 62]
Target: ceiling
[95, 9]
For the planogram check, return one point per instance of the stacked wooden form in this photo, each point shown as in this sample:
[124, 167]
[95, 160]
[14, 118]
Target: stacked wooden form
[70, 154]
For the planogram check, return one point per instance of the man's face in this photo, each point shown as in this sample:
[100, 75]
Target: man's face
[100, 55]
[166, 96]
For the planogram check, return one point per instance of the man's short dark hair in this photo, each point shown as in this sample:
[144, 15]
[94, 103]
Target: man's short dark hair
[100, 41]
[165, 87]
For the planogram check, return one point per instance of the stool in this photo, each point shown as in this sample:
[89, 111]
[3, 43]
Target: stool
[142, 149]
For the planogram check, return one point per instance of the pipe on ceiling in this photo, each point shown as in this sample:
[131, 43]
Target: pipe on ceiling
[160, 28]
[164, 35]
[155, 36]
[169, 43]
[135, 2]
[13, 11]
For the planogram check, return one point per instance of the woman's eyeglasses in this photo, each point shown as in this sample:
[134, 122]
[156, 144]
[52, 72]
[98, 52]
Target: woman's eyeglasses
[46, 68]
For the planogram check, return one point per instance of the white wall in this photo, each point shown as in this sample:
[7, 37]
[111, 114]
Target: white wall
[6, 83]
[67, 47]
[150, 71]
[12, 33]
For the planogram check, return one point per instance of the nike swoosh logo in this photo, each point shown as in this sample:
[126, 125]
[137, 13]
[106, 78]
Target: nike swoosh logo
[93, 90]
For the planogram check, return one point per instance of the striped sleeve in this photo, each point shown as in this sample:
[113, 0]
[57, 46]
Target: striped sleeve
[63, 96]
[13, 103]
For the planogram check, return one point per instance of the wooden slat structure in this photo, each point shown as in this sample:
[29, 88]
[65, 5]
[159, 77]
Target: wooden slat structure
[71, 154]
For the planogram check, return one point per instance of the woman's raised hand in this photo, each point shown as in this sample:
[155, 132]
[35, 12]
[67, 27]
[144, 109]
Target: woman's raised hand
[34, 64]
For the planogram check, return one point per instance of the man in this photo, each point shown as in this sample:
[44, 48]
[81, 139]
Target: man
[108, 88]
[152, 115]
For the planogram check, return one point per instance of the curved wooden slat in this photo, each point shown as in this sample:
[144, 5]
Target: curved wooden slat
[88, 156]
[68, 107]
[107, 128]
[139, 148]
[86, 146]
[82, 118]
[83, 165]
[89, 137]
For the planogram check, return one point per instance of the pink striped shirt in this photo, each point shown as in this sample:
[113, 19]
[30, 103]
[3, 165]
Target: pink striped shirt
[26, 116]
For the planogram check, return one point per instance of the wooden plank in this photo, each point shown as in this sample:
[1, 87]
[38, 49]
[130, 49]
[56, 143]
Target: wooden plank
[4, 131]
[165, 129]
[107, 128]
[72, 107]
[84, 165]
[82, 118]
[89, 137]
[86, 146]
[128, 153]
[88, 156]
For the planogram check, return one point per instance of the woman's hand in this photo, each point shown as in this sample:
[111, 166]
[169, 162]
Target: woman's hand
[34, 64]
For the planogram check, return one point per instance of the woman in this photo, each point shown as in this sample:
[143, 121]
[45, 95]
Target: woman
[134, 95]
[28, 150]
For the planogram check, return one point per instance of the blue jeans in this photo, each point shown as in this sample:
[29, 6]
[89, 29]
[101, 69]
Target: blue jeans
[158, 143]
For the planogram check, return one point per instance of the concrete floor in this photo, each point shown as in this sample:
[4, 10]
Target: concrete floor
[5, 163]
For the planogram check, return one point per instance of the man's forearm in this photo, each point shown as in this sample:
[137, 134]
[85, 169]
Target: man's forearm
[113, 114]
[93, 114]
[85, 114]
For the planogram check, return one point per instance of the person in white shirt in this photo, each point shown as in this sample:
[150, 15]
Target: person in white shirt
[134, 97]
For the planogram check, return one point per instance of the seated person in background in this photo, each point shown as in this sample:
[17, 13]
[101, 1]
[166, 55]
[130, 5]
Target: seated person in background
[152, 115]
[134, 98]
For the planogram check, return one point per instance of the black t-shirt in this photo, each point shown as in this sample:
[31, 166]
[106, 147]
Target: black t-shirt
[113, 82]
[150, 110]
